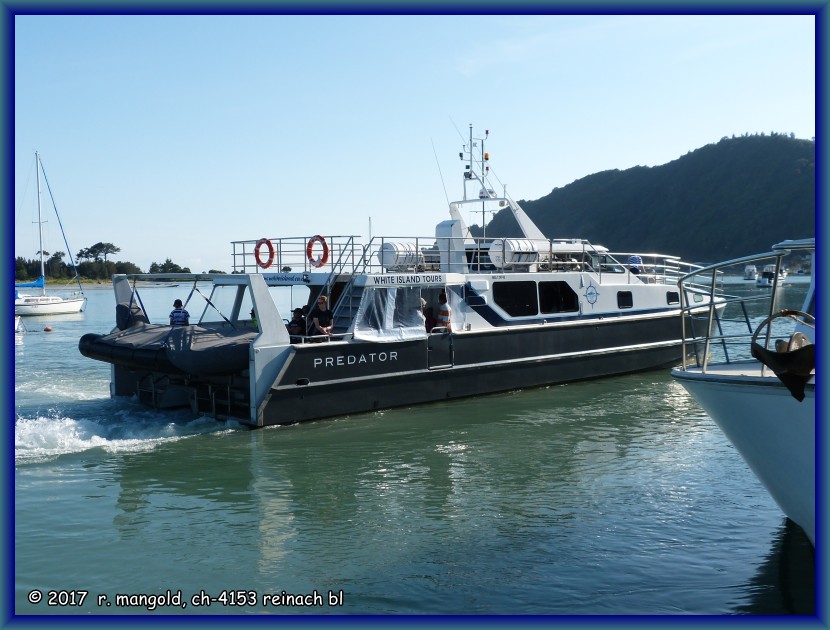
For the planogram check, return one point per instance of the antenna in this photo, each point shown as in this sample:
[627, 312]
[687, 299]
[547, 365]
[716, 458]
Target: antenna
[440, 174]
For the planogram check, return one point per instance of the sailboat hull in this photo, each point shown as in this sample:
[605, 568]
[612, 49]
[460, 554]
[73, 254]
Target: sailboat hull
[48, 305]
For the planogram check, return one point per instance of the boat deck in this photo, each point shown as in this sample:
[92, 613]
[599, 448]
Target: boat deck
[751, 371]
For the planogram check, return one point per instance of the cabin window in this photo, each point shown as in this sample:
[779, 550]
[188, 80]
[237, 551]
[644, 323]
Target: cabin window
[390, 314]
[518, 299]
[625, 299]
[557, 297]
[672, 297]
[606, 264]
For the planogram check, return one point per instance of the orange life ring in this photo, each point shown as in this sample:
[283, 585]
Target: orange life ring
[309, 251]
[267, 243]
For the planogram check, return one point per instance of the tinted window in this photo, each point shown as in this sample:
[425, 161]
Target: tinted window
[625, 299]
[672, 297]
[557, 297]
[516, 298]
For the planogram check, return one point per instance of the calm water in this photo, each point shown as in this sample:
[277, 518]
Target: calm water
[617, 497]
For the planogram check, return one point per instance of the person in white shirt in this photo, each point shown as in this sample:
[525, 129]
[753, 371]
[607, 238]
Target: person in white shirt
[444, 312]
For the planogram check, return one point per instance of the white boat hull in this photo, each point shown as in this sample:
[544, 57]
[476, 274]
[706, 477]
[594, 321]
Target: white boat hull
[48, 305]
[773, 432]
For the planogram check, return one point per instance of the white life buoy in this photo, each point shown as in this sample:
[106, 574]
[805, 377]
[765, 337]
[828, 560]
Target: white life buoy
[317, 261]
[257, 253]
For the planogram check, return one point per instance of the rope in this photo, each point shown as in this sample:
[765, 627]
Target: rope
[195, 288]
[66, 242]
[190, 295]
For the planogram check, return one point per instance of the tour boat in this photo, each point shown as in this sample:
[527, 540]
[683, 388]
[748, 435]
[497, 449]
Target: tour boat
[523, 311]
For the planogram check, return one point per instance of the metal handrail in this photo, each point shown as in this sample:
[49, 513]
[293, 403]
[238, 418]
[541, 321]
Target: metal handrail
[290, 256]
[690, 343]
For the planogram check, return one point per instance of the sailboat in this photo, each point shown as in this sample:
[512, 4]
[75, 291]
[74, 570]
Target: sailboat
[43, 304]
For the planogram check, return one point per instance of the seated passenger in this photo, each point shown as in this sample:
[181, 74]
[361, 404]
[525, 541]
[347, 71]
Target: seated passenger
[179, 316]
[321, 319]
[635, 264]
[296, 327]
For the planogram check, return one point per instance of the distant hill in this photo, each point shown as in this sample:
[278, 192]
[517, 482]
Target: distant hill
[729, 199]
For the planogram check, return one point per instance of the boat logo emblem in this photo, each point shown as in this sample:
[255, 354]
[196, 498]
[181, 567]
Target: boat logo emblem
[591, 293]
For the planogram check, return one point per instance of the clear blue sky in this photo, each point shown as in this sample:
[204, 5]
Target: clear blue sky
[170, 136]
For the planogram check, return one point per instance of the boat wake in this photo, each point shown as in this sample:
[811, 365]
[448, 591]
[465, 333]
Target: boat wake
[42, 437]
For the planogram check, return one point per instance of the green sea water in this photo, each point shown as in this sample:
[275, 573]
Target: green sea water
[612, 497]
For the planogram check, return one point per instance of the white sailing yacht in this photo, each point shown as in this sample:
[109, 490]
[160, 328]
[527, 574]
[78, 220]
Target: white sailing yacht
[43, 304]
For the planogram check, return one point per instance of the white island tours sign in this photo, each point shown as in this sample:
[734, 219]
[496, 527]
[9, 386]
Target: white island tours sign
[406, 279]
[386, 280]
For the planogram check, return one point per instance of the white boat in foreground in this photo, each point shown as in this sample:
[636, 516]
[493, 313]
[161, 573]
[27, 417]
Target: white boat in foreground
[761, 389]
[524, 312]
[41, 303]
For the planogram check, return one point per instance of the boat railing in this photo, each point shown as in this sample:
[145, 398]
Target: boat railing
[347, 255]
[304, 339]
[296, 254]
[723, 333]
[653, 268]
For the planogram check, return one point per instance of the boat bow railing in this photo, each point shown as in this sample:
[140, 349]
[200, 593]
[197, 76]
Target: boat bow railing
[718, 327]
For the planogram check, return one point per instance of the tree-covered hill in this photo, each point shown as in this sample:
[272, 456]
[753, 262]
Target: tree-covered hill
[729, 199]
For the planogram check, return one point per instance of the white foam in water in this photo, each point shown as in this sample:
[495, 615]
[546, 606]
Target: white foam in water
[64, 389]
[42, 439]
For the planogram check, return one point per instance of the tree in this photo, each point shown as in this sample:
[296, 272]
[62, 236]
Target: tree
[168, 266]
[99, 252]
[126, 267]
[108, 248]
[21, 270]
[55, 264]
[94, 252]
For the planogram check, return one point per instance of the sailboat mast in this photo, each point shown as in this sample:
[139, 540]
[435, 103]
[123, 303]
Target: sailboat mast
[40, 224]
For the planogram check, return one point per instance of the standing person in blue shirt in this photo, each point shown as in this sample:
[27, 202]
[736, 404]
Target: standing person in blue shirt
[179, 316]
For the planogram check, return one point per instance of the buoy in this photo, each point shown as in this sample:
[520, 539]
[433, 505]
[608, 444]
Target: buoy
[47, 329]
